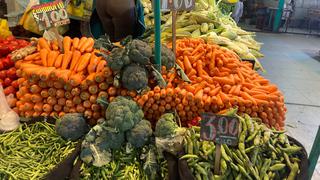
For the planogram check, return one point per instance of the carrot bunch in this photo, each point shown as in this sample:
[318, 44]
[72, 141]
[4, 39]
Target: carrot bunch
[219, 81]
[52, 82]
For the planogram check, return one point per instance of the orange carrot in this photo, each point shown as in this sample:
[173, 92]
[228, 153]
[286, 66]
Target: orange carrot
[94, 60]
[82, 42]
[58, 62]
[66, 44]
[187, 64]
[32, 56]
[88, 44]
[75, 42]
[43, 56]
[43, 43]
[101, 65]
[66, 59]
[83, 62]
[52, 56]
[55, 45]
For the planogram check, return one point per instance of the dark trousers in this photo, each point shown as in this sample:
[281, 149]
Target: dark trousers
[117, 16]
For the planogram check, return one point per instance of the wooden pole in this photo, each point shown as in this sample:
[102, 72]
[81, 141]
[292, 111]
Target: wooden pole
[217, 160]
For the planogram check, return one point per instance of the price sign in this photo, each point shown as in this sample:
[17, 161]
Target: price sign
[220, 129]
[177, 5]
[52, 14]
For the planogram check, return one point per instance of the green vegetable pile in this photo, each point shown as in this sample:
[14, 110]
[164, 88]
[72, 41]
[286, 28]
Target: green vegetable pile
[128, 163]
[30, 152]
[132, 64]
[262, 153]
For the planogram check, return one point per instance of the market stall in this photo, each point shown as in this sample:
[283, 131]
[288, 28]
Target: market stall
[84, 108]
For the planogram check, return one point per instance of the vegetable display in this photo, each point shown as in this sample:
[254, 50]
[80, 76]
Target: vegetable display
[55, 83]
[262, 153]
[31, 151]
[219, 80]
[206, 21]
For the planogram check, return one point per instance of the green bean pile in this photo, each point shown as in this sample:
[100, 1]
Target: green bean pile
[262, 153]
[30, 152]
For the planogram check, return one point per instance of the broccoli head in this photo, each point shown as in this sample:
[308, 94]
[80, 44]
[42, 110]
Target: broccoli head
[140, 134]
[139, 51]
[71, 126]
[117, 59]
[166, 126]
[168, 58]
[123, 114]
[97, 145]
[169, 136]
[134, 77]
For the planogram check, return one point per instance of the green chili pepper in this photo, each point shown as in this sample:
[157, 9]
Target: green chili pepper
[277, 167]
[223, 166]
[190, 146]
[291, 149]
[265, 167]
[244, 172]
[187, 156]
[249, 123]
[200, 169]
[224, 154]
[286, 158]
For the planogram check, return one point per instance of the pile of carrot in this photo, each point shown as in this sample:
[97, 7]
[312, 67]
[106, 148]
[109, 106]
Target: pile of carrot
[55, 81]
[220, 80]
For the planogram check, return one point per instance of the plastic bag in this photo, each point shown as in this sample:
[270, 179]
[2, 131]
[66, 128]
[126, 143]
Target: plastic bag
[80, 9]
[4, 29]
[9, 120]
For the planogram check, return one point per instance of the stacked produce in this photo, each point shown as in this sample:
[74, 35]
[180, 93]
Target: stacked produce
[208, 22]
[8, 77]
[219, 80]
[120, 145]
[52, 82]
[262, 153]
[31, 151]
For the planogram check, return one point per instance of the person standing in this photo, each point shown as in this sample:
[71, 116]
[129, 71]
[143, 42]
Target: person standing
[121, 18]
[237, 11]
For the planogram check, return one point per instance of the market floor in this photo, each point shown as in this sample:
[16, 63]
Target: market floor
[293, 63]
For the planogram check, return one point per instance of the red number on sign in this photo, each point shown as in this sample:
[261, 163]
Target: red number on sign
[55, 17]
[46, 20]
[212, 130]
[223, 125]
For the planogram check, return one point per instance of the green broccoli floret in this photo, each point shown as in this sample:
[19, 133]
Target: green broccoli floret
[117, 59]
[140, 134]
[123, 114]
[134, 77]
[168, 58]
[95, 148]
[169, 136]
[166, 126]
[71, 126]
[139, 51]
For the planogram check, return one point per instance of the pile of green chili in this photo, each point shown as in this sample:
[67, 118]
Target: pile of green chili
[261, 153]
[31, 151]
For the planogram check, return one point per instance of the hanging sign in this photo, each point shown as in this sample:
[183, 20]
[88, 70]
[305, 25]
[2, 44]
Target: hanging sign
[177, 5]
[220, 129]
[52, 14]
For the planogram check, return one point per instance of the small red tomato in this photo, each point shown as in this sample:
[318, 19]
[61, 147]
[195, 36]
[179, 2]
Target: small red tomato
[10, 62]
[15, 84]
[1, 66]
[6, 62]
[9, 90]
[11, 73]
[7, 82]
[10, 38]
[5, 42]
[3, 75]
